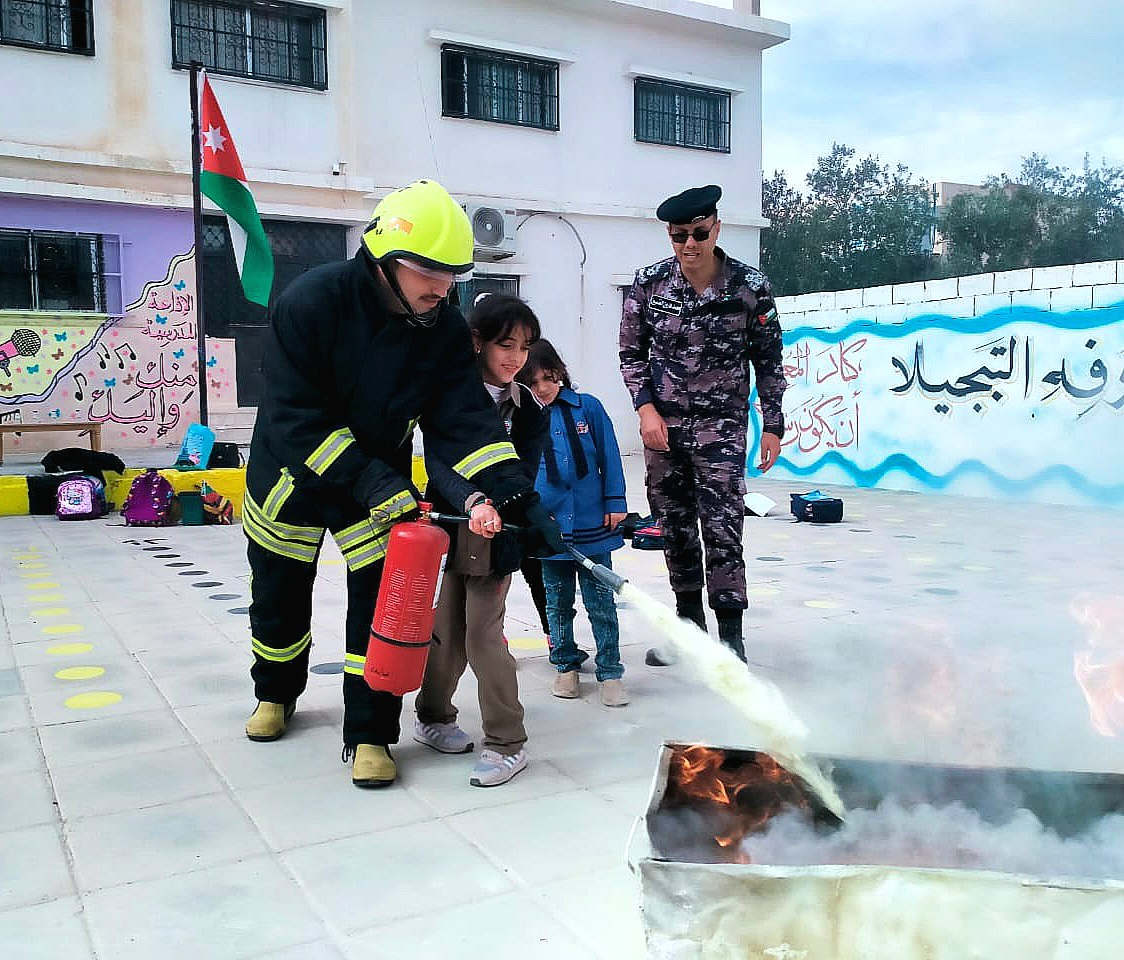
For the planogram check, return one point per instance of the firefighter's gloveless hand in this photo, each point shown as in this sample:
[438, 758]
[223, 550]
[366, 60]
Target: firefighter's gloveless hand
[485, 520]
[544, 536]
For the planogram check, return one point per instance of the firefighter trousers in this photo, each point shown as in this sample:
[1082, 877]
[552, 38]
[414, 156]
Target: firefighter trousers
[285, 532]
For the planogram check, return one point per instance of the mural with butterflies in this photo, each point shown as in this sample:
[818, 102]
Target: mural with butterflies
[137, 375]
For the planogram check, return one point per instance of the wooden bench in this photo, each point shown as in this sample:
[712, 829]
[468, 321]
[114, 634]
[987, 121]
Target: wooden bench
[88, 427]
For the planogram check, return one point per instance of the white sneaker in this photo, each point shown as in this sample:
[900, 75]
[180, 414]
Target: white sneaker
[493, 768]
[443, 737]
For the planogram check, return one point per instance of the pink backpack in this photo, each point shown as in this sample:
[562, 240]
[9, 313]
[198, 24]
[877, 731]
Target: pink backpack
[150, 501]
[81, 498]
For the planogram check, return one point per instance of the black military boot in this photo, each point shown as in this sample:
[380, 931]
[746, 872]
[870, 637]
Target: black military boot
[688, 606]
[730, 631]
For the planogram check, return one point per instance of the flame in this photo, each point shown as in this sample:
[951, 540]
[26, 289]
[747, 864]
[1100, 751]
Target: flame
[749, 792]
[1099, 667]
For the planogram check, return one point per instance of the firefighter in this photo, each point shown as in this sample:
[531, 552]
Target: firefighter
[357, 355]
[692, 327]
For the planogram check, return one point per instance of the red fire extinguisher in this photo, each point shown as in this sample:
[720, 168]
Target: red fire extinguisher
[403, 621]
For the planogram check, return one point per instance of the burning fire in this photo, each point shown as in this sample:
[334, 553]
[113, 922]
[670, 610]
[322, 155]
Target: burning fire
[744, 791]
[1099, 667]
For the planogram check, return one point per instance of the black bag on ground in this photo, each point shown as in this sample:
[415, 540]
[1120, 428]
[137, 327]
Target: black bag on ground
[75, 459]
[814, 507]
[224, 455]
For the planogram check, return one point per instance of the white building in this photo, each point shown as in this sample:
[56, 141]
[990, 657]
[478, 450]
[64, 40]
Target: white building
[571, 119]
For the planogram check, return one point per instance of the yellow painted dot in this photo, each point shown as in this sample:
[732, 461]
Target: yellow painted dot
[36, 574]
[821, 604]
[50, 612]
[41, 585]
[50, 598]
[527, 643]
[69, 649]
[32, 565]
[95, 698]
[975, 568]
[28, 556]
[763, 591]
[59, 629]
[80, 673]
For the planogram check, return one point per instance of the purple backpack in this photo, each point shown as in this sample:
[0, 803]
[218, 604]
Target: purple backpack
[81, 498]
[149, 502]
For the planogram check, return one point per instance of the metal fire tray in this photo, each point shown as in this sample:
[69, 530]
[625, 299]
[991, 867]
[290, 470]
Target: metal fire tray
[721, 911]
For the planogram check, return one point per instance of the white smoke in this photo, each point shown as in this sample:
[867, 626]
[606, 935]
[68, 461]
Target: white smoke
[781, 732]
[951, 836]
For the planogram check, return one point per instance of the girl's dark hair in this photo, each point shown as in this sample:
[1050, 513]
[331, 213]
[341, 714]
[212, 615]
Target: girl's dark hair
[495, 315]
[543, 356]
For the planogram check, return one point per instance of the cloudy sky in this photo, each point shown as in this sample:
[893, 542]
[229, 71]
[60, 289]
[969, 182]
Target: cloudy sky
[954, 89]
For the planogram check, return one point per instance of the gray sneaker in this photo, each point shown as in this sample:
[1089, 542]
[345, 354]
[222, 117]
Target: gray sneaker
[493, 768]
[443, 737]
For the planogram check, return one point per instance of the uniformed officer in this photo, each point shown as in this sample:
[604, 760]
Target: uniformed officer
[692, 326]
[357, 354]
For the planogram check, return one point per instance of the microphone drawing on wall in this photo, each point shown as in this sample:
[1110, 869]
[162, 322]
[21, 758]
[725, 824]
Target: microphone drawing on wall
[23, 343]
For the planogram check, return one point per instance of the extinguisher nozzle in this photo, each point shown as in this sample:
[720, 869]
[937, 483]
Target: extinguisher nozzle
[614, 581]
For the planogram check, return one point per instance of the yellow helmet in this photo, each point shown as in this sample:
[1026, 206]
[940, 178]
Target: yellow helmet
[421, 222]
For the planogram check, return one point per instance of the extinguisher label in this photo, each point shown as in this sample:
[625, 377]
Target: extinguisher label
[440, 577]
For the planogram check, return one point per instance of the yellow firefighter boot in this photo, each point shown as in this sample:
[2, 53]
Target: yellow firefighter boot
[373, 767]
[268, 721]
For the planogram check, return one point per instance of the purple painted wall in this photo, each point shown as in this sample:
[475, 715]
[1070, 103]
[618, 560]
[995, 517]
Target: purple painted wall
[150, 236]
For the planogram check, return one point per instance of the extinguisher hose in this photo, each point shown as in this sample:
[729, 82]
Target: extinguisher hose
[614, 581]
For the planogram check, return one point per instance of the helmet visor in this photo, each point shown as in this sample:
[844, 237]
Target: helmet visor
[431, 273]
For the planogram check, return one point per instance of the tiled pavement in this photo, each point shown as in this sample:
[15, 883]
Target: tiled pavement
[136, 821]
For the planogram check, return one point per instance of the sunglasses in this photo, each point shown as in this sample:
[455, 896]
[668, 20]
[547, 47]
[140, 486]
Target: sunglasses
[699, 234]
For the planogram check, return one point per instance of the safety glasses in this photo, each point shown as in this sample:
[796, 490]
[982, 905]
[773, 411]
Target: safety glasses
[682, 236]
[441, 276]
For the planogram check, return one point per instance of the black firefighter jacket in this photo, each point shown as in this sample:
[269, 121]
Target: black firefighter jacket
[345, 383]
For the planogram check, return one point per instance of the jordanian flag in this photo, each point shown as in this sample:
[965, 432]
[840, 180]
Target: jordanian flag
[223, 180]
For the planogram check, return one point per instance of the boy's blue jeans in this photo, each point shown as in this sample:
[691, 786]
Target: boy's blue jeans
[558, 578]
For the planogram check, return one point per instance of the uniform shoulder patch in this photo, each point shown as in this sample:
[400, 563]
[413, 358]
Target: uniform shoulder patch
[655, 271]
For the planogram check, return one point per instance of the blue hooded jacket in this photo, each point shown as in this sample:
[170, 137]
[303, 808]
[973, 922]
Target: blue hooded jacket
[580, 476]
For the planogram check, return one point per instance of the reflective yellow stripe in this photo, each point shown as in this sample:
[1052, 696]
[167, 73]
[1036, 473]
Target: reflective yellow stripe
[363, 557]
[285, 531]
[485, 457]
[353, 663]
[264, 537]
[281, 654]
[401, 503]
[357, 533]
[329, 451]
[281, 492]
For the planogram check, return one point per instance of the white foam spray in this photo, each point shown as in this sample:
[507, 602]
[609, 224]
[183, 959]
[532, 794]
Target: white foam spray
[782, 734]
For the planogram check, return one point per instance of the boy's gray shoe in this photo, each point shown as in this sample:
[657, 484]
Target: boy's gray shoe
[565, 685]
[493, 768]
[443, 737]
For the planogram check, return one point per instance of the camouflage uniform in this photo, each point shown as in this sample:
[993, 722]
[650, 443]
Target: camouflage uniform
[689, 355]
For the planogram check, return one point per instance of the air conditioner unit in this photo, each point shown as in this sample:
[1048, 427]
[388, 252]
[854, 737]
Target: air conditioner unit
[493, 230]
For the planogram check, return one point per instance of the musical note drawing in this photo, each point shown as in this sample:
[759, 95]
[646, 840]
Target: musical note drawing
[79, 387]
[60, 337]
[104, 355]
[128, 349]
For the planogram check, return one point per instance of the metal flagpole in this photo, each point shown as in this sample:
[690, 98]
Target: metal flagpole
[197, 207]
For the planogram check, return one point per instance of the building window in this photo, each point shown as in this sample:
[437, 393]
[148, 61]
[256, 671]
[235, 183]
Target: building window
[63, 25]
[42, 270]
[469, 290]
[682, 116]
[282, 42]
[502, 87]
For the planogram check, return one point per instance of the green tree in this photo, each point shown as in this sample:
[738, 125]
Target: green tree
[1043, 217]
[861, 223]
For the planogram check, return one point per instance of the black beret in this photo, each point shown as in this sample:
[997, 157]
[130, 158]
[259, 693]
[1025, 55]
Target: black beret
[690, 205]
